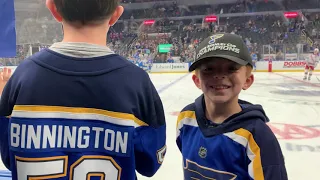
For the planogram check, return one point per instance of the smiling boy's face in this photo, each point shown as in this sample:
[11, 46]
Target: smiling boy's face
[222, 80]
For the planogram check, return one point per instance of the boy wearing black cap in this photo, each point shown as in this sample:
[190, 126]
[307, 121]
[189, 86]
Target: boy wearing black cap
[221, 137]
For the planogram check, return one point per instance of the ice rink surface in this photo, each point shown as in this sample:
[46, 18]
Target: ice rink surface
[293, 106]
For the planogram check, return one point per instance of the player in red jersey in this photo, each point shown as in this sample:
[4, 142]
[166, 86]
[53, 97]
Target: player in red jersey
[311, 63]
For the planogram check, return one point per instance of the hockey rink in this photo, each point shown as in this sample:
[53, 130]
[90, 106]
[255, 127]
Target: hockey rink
[293, 106]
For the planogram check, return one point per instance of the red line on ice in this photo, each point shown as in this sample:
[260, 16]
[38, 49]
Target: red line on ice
[305, 82]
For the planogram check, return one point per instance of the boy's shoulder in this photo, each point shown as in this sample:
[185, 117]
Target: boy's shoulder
[48, 58]
[189, 107]
[252, 118]
[187, 113]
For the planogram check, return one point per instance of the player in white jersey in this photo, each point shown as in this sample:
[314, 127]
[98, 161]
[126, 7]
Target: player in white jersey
[311, 63]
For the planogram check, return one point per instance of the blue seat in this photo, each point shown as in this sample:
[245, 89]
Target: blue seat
[5, 175]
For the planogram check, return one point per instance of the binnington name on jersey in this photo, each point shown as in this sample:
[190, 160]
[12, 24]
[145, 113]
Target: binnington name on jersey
[44, 137]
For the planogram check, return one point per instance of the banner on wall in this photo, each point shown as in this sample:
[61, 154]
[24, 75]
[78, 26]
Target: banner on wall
[170, 67]
[211, 18]
[288, 57]
[291, 15]
[164, 48]
[294, 64]
[285, 66]
[7, 29]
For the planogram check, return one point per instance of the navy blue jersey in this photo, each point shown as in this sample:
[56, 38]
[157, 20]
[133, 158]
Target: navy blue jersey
[243, 147]
[81, 118]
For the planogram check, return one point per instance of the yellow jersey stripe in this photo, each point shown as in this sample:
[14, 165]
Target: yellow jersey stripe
[30, 109]
[184, 115]
[255, 149]
[188, 118]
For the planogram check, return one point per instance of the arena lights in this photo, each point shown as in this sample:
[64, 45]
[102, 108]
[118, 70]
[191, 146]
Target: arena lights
[211, 18]
[149, 22]
[291, 14]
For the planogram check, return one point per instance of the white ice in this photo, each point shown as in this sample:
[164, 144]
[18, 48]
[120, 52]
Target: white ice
[293, 106]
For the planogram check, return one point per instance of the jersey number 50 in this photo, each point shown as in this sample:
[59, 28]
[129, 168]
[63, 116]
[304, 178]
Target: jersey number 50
[56, 167]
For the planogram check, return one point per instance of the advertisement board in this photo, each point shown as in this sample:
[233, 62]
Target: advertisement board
[169, 67]
[164, 48]
[288, 57]
[294, 64]
[283, 66]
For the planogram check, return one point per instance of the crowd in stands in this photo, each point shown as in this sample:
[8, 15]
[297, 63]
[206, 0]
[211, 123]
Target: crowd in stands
[282, 36]
[22, 53]
[262, 33]
[172, 9]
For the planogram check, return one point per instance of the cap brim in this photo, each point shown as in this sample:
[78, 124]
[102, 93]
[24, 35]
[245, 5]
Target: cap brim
[231, 58]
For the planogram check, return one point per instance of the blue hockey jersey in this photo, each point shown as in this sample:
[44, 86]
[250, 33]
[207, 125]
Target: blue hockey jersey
[75, 118]
[243, 147]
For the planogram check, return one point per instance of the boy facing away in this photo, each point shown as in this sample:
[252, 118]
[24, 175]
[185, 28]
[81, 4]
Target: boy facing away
[221, 137]
[79, 111]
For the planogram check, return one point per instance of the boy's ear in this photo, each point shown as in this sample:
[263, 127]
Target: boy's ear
[116, 15]
[53, 9]
[249, 82]
[196, 80]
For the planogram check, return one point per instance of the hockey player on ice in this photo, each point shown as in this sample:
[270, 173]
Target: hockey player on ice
[311, 63]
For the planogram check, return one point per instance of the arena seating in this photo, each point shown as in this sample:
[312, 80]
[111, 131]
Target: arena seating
[38, 29]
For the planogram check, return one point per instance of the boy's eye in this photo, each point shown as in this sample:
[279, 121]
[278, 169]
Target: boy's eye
[234, 68]
[208, 70]
[227, 69]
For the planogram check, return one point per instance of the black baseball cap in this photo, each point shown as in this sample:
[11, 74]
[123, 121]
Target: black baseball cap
[222, 45]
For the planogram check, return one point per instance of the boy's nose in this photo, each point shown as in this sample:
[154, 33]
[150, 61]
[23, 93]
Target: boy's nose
[219, 76]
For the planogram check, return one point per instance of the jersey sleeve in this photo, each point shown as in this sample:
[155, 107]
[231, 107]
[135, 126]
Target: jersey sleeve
[179, 130]
[179, 142]
[150, 147]
[186, 114]
[267, 161]
[6, 107]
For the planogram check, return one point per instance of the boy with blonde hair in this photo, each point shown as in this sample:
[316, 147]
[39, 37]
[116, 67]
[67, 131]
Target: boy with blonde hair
[79, 111]
[221, 137]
